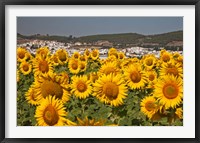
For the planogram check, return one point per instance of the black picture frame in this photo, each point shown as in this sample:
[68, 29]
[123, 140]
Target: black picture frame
[3, 4]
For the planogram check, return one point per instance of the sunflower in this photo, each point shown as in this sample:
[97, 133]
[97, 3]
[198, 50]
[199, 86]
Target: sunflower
[64, 77]
[165, 56]
[149, 106]
[152, 78]
[62, 56]
[112, 52]
[42, 52]
[169, 91]
[89, 122]
[31, 96]
[51, 112]
[83, 66]
[121, 56]
[25, 67]
[87, 53]
[42, 66]
[21, 54]
[51, 84]
[109, 67]
[76, 55]
[83, 58]
[172, 68]
[134, 76]
[74, 66]
[95, 54]
[179, 113]
[81, 86]
[149, 62]
[54, 59]
[110, 89]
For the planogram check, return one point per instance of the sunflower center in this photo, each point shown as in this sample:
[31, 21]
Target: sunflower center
[62, 56]
[149, 62]
[87, 53]
[76, 56]
[81, 87]
[51, 88]
[50, 115]
[165, 58]
[173, 71]
[121, 56]
[94, 53]
[170, 91]
[135, 77]
[111, 90]
[21, 55]
[26, 67]
[150, 106]
[151, 77]
[74, 66]
[43, 66]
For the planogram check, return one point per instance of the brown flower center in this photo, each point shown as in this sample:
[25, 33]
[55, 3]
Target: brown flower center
[26, 67]
[81, 86]
[149, 62]
[51, 88]
[50, 115]
[94, 53]
[170, 91]
[75, 66]
[165, 58]
[43, 66]
[135, 76]
[21, 55]
[111, 90]
[151, 77]
[62, 56]
[150, 105]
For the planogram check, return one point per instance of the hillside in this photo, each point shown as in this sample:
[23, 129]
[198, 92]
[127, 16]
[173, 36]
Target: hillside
[117, 39]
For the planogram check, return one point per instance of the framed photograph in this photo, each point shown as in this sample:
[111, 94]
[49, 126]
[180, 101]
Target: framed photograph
[102, 71]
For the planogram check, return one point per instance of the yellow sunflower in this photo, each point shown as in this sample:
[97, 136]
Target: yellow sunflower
[149, 62]
[42, 52]
[95, 54]
[87, 53]
[74, 66]
[109, 67]
[54, 59]
[165, 56]
[31, 96]
[149, 106]
[135, 77]
[83, 58]
[25, 67]
[169, 91]
[21, 54]
[83, 66]
[64, 77]
[76, 55]
[113, 52]
[172, 68]
[152, 78]
[121, 56]
[51, 84]
[42, 66]
[110, 89]
[62, 56]
[51, 112]
[81, 86]
[179, 113]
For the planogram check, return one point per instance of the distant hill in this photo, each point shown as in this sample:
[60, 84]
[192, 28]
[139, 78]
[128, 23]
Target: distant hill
[117, 39]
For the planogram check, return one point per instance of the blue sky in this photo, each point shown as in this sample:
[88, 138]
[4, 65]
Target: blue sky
[83, 26]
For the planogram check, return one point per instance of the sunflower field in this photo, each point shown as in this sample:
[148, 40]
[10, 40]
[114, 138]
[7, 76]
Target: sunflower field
[55, 89]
